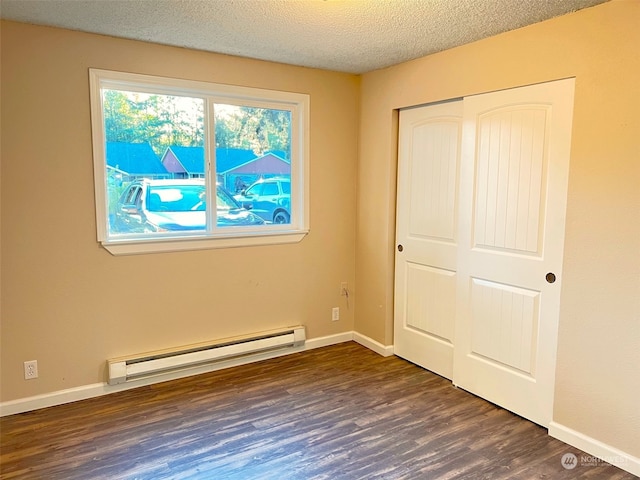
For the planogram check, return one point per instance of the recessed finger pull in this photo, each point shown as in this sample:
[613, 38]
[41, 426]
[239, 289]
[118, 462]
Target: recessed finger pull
[400, 248]
[551, 277]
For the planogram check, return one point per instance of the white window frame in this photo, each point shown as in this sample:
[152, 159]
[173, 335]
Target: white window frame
[296, 103]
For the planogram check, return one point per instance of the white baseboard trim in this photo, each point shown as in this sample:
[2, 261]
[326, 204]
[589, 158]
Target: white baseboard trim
[328, 340]
[384, 350]
[595, 448]
[98, 389]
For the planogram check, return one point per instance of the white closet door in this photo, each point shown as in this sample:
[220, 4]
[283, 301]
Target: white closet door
[425, 270]
[513, 189]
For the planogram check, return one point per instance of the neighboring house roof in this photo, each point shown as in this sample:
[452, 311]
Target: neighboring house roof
[184, 159]
[177, 159]
[133, 158]
[191, 159]
[267, 164]
[230, 158]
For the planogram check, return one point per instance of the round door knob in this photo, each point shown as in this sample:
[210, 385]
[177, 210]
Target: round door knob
[551, 277]
[400, 248]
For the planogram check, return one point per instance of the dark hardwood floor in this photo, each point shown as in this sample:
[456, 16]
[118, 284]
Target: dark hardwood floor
[339, 412]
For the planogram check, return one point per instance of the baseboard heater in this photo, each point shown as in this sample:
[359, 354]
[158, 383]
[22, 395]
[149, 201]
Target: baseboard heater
[124, 369]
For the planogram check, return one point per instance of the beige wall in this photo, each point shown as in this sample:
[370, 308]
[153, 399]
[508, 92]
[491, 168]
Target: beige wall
[598, 370]
[71, 305]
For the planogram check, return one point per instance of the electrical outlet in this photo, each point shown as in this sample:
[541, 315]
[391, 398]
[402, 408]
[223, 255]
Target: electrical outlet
[335, 314]
[30, 369]
[344, 289]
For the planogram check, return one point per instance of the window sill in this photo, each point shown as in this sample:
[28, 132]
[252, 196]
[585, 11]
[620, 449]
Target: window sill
[164, 245]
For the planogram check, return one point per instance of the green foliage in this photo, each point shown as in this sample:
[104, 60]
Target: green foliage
[164, 120]
[258, 129]
[161, 120]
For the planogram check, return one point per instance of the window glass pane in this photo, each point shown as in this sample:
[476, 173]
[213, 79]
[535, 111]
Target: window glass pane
[142, 134]
[165, 145]
[253, 157]
[176, 198]
[270, 189]
[254, 189]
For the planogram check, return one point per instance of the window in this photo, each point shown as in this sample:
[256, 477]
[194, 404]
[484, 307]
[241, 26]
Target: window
[182, 165]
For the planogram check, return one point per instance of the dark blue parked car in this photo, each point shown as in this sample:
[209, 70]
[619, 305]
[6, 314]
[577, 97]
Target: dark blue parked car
[270, 198]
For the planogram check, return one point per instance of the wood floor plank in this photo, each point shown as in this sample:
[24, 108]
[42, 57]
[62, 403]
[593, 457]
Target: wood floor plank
[339, 412]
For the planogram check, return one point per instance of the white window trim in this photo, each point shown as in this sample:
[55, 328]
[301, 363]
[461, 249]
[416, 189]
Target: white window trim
[210, 92]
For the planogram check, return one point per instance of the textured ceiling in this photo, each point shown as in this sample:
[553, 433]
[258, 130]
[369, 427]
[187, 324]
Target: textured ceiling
[354, 36]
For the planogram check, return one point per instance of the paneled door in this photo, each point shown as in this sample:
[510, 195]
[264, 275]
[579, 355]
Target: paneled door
[425, 269]
[482, 187]
[513, 184]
